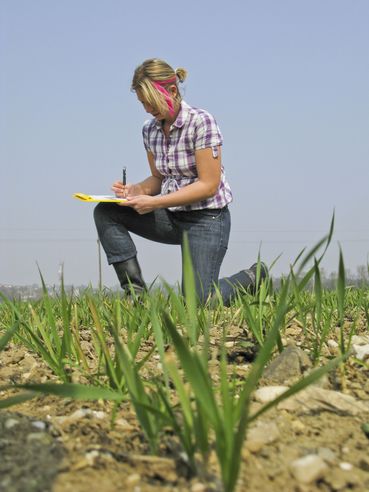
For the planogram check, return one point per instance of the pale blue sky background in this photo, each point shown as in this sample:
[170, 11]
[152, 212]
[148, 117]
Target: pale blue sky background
[287, 80]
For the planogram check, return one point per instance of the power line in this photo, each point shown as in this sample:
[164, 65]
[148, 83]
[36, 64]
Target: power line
[232, 241]
[248, 231]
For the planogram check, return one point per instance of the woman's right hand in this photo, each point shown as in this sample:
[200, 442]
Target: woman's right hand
[122, 191]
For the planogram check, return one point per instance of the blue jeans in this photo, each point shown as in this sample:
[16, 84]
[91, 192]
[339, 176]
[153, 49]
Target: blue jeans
[207, 231]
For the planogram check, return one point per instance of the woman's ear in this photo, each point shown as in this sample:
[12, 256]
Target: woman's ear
[173, 91]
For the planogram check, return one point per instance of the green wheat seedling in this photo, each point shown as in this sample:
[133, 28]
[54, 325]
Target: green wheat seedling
[110, 365]
[204, 407]
[145, 400]
[213, 415]
[36, 333]
[20, 398]
[321, 316]
[254, 308]
[340, 292]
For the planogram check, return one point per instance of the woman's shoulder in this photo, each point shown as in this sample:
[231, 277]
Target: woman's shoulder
[149, 124]
[201, 119]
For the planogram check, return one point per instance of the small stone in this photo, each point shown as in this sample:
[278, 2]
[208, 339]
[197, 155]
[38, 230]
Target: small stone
[245, 454]
[10, 423]
[332, 344]
[361, 352]
[360, 340]
[29, 363]
[91, 457]
[133, 479]
[80, 413]
[269, 393]
[123, 424]
[198, 487]
[26, 376]
[297, 426]
[308, 469]
[289, 364]
[327, 455]
[346, 466]
[39, 424]
[40, 437]
[260, 435]
[315, 399]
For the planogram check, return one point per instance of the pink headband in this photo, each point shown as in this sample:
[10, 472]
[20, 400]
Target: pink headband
[158, 84]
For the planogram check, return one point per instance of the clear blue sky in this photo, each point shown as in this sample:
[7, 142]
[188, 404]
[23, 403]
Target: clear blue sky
[287, 80]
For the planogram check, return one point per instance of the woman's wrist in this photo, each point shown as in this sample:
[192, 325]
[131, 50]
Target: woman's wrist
[157, 201]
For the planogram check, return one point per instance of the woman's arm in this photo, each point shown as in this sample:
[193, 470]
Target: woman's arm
[209, 173]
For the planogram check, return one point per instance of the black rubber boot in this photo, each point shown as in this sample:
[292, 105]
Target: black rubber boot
[247, 279]
[130, 276]
[252, 274]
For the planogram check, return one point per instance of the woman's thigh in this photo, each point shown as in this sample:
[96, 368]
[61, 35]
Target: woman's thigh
[157, 225]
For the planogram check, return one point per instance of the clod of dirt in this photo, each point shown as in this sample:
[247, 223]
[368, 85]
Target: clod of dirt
[314, 399]
[30, 455]
[309, 468]
[287, 366]
[261, 434]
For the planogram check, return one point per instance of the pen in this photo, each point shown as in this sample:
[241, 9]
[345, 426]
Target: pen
[124, 176]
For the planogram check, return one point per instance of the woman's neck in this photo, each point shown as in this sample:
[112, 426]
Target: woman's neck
[171, 119]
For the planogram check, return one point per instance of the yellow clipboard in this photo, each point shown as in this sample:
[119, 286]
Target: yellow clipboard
[98, 198]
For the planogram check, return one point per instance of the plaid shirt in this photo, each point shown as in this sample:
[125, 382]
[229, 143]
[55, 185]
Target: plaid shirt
[193, 129]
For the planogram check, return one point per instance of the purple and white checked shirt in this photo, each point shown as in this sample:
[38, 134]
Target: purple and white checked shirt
[194, 129]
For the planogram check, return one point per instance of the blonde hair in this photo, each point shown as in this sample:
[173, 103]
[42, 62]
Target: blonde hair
[156, 70]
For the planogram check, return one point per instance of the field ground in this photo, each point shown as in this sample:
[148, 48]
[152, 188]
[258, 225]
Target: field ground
[62, 445]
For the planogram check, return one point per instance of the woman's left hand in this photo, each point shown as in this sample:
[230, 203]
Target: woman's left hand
[143, 204]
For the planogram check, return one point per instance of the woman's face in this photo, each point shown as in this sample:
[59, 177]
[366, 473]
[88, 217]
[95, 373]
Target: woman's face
[150, 109]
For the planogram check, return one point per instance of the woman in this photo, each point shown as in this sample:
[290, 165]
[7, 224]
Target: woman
[187, 190]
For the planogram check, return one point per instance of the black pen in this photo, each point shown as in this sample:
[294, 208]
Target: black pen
[124, 176]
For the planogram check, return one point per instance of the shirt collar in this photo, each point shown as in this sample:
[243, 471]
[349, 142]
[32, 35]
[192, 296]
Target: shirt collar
[181, 117]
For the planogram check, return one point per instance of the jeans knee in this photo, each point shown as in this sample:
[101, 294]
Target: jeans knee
[99, 213]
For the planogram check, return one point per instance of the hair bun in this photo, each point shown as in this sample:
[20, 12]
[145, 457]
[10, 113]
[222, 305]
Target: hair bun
[181, 74]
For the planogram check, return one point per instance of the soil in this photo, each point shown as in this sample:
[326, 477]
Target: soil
[61, 445]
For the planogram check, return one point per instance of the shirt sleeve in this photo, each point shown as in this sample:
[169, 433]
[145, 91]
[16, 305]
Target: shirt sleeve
[145, 136]
[207, 133]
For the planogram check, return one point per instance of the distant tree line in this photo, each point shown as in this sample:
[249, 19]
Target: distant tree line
[359, 279]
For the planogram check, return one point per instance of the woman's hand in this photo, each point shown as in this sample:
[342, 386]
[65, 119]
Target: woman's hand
[123, 191]
[143, 204]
